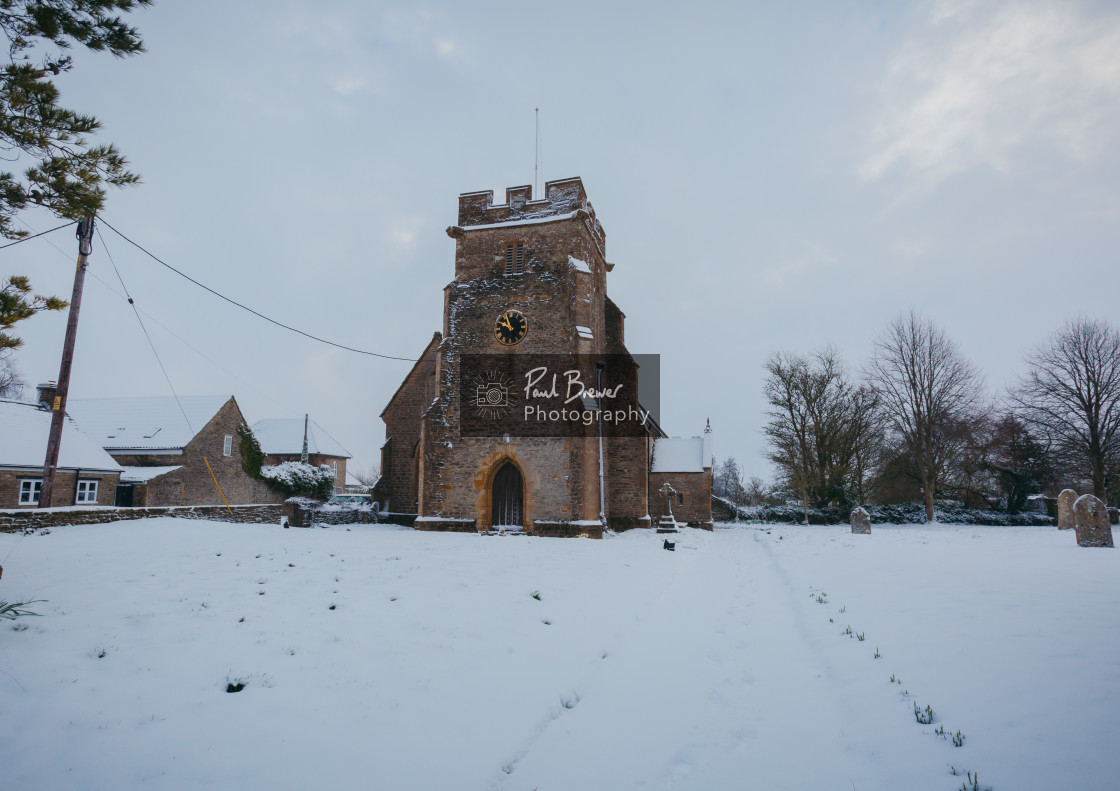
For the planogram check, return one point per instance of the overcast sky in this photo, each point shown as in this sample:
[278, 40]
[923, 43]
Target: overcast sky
[770, 176]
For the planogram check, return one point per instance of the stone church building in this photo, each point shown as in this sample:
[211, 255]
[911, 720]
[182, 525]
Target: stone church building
[531, 283]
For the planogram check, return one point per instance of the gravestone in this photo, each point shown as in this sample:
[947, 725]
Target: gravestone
[861, 521]
[1065, 508]
[668, 523]
[1091, 522]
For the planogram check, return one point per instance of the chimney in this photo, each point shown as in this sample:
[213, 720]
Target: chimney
[47, 392]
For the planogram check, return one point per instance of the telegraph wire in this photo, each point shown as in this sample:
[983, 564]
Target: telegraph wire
[136, 311]
[195, 349]
[170, 331]
[36, 236]
[246, 307]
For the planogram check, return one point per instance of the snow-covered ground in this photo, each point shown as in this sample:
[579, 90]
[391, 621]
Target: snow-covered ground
[379, 657]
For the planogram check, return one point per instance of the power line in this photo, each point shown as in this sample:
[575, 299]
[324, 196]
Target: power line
[171, 332]
[42, 233]
[247, 308]
[146, 335]
[196, 350]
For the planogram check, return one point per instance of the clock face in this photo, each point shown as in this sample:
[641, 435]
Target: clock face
[510, 328]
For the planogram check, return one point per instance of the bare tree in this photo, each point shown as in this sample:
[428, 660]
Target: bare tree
[756, 491]
[1071, 395]
[727, 482]
[928, 391]
[367, 476]
[11, 384]
[820, 422]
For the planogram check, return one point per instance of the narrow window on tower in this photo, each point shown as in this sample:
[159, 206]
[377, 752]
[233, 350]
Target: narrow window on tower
[515, 258]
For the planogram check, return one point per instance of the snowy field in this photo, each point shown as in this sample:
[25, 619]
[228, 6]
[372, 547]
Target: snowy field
[382, 658]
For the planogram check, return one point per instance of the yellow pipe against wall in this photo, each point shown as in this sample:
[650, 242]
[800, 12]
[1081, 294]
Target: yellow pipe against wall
[212, 475]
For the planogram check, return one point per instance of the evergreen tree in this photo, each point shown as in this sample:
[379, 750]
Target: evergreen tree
[64, 172]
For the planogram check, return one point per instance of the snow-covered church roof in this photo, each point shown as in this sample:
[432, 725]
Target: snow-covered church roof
[145, 422]
[680, 454]
[23, 441]
[284, 437]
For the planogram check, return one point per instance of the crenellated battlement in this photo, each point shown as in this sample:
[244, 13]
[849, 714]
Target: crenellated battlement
[561, 197]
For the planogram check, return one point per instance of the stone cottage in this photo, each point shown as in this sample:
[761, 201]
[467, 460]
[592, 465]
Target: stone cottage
[173, 451]
[86, 474]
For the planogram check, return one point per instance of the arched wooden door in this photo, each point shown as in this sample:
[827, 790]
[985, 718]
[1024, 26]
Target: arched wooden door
[506, 505]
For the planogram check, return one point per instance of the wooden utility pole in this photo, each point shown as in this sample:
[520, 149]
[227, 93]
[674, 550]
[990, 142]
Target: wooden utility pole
[303, 456]
[58, 406]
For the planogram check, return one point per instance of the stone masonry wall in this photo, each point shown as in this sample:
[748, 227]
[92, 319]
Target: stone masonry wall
[398, 488]
[64, 487]
[15, 520]
[193, 484]
[697, 490]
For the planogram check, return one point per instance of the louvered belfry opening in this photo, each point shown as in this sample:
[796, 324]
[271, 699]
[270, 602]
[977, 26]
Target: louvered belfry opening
[515, 259]
[508, 491]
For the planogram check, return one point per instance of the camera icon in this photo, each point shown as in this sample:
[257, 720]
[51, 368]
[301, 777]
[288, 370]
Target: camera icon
[492, 394]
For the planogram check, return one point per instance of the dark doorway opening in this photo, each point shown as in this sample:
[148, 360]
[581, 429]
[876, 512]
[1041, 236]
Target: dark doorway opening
[506, 509]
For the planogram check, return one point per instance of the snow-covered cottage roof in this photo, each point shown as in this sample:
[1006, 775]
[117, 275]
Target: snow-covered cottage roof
[23, 441]
[678, 454]
[145, 422]
[284, 437]
[145, 474]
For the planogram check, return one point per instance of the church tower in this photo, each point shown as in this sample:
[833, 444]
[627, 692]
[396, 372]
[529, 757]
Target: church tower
[530, 280]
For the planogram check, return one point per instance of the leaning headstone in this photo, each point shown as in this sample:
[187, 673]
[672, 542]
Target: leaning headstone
[861, 521]
[1065, 508]
[1091, 522]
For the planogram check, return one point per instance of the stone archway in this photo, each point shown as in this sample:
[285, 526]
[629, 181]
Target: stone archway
[507, 498]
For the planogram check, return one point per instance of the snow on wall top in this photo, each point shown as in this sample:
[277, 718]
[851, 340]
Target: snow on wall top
[678, 454]
[144, 422]
[284, 436]
[578, 265]
[23, 441]
[561, 197]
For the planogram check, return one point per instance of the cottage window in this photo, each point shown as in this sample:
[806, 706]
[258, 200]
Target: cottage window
[29, 490]
[227, 445]
[87, 492]
[515, 258]
[680, 498]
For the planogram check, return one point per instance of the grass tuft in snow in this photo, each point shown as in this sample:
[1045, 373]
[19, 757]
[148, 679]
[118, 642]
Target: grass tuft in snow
[12, 610]
[536, 595]
[923, 716]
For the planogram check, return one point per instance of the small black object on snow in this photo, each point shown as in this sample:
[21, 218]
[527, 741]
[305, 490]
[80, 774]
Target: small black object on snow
[669, 545]
[231, 687]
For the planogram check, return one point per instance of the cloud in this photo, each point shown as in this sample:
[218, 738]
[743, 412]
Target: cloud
[798, 261]
[446, 47]
[981, 83]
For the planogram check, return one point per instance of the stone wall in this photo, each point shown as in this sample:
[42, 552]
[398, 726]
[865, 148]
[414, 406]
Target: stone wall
[398, 487]
[15, 520]
[65, 487]
[696, 488]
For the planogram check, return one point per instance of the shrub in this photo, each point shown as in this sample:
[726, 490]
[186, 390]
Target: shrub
[297, 478]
